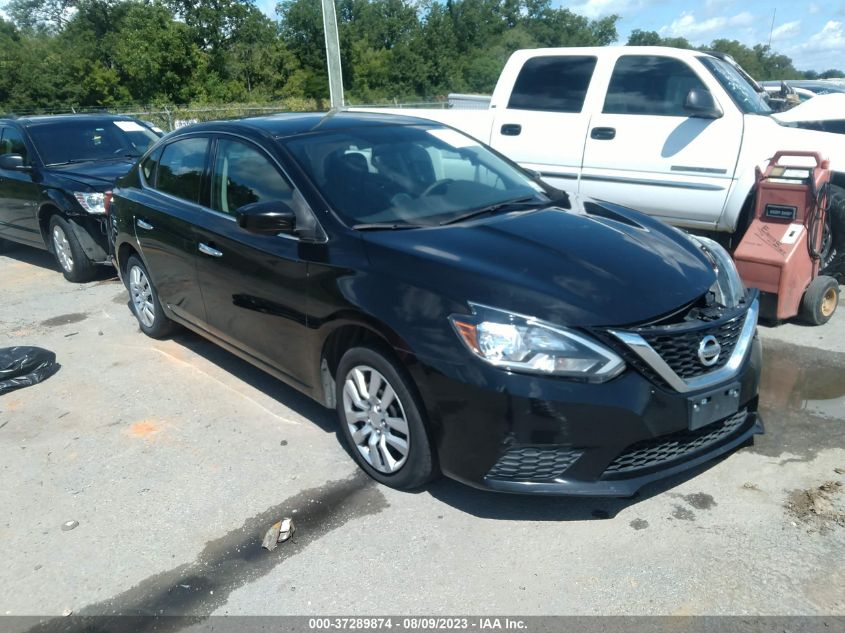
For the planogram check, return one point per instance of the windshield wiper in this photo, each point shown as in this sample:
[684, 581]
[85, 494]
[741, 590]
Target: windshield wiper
[385, 226]
[72, 161]
[525, 204]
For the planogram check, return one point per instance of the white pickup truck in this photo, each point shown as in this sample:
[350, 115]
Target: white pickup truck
[671, 132]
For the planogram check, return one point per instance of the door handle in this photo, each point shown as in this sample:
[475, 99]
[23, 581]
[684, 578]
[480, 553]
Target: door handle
[511, 129]
[205, 249]
[603, 133]
[143, 224]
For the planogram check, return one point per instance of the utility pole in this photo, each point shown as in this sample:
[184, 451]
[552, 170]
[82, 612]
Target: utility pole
[333, 54]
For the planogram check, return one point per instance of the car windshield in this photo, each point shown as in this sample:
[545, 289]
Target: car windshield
[409, 175]
[746, 98]
[62, 142]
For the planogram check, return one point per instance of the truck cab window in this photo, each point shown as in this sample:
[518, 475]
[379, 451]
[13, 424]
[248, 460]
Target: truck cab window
[649, 84]
[554, 84]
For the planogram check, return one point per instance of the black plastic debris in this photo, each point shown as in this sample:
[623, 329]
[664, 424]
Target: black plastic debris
[25, 366]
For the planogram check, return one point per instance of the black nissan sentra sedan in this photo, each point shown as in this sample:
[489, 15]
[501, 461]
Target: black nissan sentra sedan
[460, 316]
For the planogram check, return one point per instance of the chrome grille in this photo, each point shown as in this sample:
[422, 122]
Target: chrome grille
[680, 349]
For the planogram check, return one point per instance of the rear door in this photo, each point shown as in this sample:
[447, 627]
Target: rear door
[164, 216]
[18, 193]
[544, 123]
[255, 286]
[646, 152]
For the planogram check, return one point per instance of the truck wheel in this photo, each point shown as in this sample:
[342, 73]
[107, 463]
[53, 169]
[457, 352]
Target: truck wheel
[820, 300]
[834, 264]
[75, 265]
[381, 419]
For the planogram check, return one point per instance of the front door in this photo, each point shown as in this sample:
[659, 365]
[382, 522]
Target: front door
[255, 286]
[645, 151]
[18, 193]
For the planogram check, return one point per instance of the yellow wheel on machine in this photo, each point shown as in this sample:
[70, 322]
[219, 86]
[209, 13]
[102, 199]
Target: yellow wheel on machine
[820, 300]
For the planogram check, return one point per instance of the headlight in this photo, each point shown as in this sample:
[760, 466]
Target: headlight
[92, 202]
[525, 344]
[729, 289]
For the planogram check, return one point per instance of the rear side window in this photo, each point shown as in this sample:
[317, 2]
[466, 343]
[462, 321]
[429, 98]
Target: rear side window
[648, 84]
[11, 142]
[555, 84]
[181, 167]
[243, 175]
[148, 167]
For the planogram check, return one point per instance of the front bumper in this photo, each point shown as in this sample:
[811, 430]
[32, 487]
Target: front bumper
[532, 434]
[91, 232]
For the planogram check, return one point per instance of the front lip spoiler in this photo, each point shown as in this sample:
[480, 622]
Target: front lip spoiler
[620, 487]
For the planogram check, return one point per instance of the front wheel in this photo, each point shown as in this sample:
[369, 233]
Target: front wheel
[382, 420]
[145, 304]
[67, 250]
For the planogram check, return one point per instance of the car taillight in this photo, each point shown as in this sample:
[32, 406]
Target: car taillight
[107, 196]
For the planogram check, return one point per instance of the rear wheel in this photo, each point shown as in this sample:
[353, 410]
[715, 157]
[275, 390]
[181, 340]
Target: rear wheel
[834, 262]
[73, 261]
[820, 300]
[145, 304]
[381, 419]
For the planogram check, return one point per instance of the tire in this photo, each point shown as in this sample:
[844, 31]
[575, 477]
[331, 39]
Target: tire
[391, 445]
[73, 261]
[834, 264]
[820, 300]
[144, 300]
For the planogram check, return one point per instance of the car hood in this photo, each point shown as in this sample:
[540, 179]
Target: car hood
[95, 174]
[596, 264]
[829, 107]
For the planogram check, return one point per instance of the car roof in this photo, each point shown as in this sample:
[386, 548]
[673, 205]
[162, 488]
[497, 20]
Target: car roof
[42, 119]
[293, 124]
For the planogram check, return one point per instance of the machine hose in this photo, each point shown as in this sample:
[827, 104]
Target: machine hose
[820, 242]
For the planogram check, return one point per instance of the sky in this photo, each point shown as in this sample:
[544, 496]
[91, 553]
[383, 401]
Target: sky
[812, 33]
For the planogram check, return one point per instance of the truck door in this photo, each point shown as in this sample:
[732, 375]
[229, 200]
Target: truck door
[544, 123]
[644, 150]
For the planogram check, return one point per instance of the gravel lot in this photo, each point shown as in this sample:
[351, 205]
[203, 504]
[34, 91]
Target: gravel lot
[175, 457]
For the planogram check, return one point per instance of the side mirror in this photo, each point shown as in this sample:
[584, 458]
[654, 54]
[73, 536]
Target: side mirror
[700, 103]
[266, 218]
[12, 162]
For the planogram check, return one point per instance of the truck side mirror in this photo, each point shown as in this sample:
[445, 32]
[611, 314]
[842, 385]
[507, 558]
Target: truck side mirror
[700, 103]
[13, 162]
[266, 218]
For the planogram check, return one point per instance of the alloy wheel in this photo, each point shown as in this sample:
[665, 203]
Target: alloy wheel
[62, 248]
[376, 419]
[142, 296]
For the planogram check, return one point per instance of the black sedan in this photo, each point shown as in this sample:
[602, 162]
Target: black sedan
[55, 175]
[461, 316]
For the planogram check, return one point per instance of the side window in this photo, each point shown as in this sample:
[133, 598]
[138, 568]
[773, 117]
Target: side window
[243, 175]
[11, 142]
[148, 167]
[181, 167]
[646, 84]
[555, 84]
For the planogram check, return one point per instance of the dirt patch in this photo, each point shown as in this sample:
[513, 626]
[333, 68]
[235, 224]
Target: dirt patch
[64, 319]
[683, 514]
[639, 524]
[821, 509]
[145, 429]
[121, 299]
[700, 500]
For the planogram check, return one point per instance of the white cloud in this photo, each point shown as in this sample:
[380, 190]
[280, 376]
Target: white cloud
[599, 8]
[820, 50]
[786, 30]
[686, 25]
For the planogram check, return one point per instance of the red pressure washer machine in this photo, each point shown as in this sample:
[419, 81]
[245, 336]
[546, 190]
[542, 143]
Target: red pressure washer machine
[789, 238]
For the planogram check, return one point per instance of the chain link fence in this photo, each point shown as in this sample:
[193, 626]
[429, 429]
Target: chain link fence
[171, 117]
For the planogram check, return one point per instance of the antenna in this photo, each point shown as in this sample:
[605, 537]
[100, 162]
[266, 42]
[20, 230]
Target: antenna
[771, 30]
